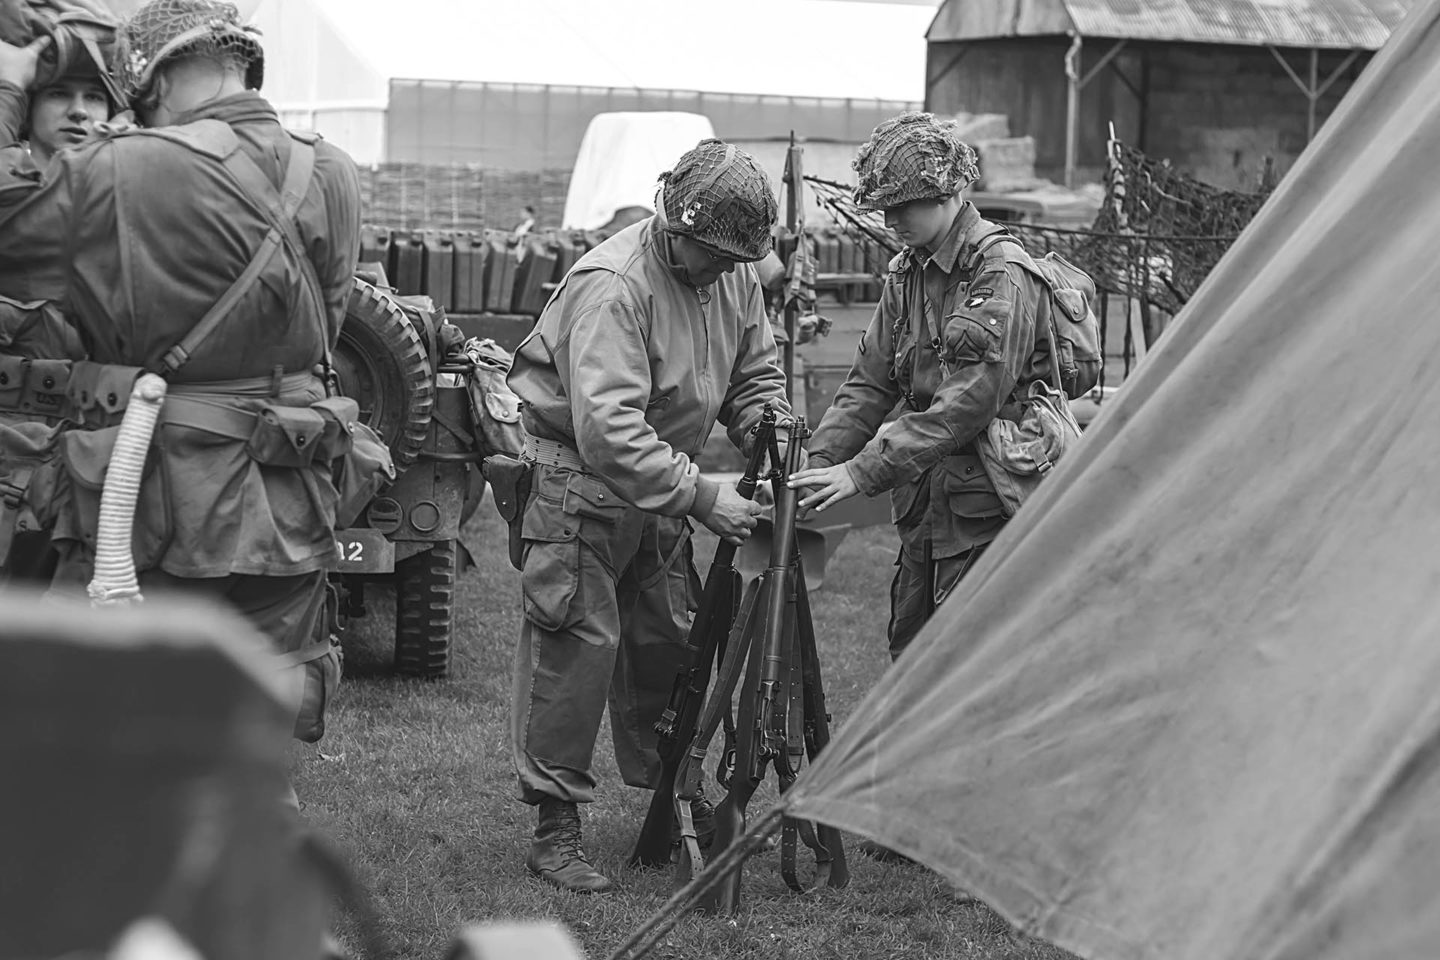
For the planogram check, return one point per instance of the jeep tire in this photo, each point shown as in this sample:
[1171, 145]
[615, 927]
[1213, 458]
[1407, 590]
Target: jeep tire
[425, 610]
[381, 362]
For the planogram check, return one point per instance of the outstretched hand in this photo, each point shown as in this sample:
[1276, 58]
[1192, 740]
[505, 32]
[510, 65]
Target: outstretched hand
[830, 485]
[18, 65]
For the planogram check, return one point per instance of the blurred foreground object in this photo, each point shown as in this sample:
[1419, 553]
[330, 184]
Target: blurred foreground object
[518, 941]
[145, 762]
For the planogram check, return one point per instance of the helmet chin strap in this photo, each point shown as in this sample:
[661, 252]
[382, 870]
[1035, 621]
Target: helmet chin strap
[681, 272]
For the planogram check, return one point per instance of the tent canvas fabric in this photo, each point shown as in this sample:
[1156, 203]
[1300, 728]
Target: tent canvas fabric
[1186, 706]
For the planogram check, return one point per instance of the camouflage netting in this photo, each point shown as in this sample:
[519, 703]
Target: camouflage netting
[167, 29]
[913, 157]
[720, 197]
[1157, 236]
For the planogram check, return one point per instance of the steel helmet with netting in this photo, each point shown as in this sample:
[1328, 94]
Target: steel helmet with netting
[82, 45]
[913, 157]
[718, 196]
[165, 30]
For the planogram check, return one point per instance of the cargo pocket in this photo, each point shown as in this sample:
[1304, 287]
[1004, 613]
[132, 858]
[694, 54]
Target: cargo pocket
[967, 489]
[551, 574]
[320, 680]
[85, 455]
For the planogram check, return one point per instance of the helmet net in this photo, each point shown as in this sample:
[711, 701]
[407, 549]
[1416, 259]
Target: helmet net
[913, 157]
[720, 197]
[165, 30]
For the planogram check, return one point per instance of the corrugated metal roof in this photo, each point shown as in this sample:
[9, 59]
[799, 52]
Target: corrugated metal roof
[1338, 24]
[1365, 24]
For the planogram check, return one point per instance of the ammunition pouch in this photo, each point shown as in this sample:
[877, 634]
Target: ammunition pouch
[13, 520]
[510, 481]
[285, 436]
[34, 387]
[100, 392]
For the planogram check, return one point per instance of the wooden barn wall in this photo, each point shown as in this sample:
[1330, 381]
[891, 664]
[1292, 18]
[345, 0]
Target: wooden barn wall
[1215, 111]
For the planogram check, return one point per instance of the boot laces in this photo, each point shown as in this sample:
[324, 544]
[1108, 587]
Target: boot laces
[566, 837]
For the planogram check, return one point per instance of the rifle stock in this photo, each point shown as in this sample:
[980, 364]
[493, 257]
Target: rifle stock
[676, 727]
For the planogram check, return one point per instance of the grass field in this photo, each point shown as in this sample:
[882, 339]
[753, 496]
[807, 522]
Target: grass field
[414, 782]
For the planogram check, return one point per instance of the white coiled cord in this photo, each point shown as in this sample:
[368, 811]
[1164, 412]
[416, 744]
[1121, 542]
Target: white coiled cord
[115, 582]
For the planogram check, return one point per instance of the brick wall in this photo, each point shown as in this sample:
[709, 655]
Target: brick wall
[460, 196]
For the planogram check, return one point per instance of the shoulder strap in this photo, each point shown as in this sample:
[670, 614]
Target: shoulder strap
[280, 209]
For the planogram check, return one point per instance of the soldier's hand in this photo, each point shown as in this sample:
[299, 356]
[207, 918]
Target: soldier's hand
[18, 65]
[829, 485]
[733, 517]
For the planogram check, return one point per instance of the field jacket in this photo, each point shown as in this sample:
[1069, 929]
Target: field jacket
[136, 237]
[632, 368]
[951, 338]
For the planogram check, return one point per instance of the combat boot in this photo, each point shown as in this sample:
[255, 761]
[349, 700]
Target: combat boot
[556, 855]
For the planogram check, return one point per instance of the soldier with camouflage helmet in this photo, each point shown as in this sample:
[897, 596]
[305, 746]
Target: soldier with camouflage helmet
[651, 337]
[958, 334]
[72, 91]
[217, 212]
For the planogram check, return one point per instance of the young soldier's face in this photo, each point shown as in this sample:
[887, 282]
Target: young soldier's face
[920, 223]
[64, 112]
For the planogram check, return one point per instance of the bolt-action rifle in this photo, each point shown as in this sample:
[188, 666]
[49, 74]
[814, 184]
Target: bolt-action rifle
[781, 721]
[704, 646]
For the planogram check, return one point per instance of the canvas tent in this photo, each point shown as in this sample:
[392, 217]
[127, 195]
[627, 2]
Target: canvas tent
[1186, 707]
[620, 159]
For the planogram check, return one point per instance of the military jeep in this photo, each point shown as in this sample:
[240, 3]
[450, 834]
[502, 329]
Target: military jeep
[406, 367]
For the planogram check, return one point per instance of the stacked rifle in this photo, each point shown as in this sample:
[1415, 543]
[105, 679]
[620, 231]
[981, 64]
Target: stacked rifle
[760, 641]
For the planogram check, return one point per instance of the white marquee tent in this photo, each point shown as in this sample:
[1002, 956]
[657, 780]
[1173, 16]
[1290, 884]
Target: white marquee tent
[330, 62]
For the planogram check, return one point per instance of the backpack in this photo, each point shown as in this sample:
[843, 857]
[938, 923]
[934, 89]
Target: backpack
[1073, 323]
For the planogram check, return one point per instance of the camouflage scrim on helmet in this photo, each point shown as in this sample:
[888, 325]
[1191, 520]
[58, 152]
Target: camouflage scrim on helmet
[720, 197]
[913, 157]
[165, 30]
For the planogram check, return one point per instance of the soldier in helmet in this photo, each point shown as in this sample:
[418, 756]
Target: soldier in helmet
[652, 336]
[216, 250]
[72, 92]
[960, 324]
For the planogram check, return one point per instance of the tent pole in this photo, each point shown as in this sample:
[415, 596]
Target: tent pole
[1313, 93]
[1072, 107]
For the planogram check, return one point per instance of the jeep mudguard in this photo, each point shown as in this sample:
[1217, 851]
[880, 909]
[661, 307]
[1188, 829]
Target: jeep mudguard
[381, 361]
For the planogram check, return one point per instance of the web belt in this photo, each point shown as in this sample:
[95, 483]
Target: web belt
[551, 453]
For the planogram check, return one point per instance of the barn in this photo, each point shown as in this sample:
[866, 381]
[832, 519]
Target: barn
[1217, 86]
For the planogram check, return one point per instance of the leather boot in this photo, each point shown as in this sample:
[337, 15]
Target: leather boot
[556, 855]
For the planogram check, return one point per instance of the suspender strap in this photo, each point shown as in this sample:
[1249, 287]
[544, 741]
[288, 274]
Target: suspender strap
[280, 210]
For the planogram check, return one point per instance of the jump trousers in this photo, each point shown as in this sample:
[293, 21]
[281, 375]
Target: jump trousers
[609, 592]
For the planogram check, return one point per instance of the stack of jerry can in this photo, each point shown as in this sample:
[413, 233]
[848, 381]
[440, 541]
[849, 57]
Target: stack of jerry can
[468, 278]
[500, 250]
[438, 265]
[375, 248]
[533, 274]
[408, 276]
